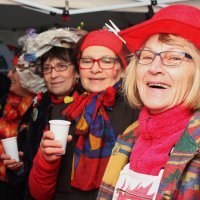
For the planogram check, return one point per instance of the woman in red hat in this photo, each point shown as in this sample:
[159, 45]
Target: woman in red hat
[158, 156]
[99, 113]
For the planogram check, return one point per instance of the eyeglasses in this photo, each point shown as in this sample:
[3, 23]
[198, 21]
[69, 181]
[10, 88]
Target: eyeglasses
[169, 58]
[104, 63]
[59, 68]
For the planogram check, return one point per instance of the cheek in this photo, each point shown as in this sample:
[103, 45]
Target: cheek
[140, 76]
[83, 78]
[115, 73]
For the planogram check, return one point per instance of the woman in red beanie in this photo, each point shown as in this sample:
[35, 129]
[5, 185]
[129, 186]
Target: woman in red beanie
[100, 114]
[158, 156]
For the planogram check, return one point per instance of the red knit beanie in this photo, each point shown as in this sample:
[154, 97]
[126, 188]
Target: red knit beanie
[106, 39]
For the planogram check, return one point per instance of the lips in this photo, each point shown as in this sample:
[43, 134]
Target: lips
[13, 81]
[158, 85]
[56, 83]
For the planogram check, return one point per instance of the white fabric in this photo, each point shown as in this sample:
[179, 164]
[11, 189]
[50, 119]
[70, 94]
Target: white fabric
[136, 186]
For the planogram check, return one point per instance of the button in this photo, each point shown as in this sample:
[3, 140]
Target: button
[116, 149]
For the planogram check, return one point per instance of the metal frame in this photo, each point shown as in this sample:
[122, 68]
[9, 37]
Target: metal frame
[48, 9]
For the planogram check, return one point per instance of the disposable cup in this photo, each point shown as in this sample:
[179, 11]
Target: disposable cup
[10, 147]
[60, 129]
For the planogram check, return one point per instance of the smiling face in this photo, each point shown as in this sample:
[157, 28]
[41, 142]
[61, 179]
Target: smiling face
[97, 79]
[59, 83]
[162, 87]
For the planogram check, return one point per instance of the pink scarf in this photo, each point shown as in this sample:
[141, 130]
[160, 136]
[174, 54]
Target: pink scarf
[158, 135]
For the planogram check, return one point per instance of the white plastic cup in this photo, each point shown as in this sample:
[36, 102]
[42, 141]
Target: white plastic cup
[60, 129]
[10, 147]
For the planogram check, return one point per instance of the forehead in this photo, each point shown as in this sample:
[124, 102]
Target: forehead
[53, 60]
[97, 50]
[166, 41]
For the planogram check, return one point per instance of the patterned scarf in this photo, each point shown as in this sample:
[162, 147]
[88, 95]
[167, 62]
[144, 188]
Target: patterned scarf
[14, 109]
[96, 136]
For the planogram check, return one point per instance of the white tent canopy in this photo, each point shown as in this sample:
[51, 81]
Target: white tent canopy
[18, 15]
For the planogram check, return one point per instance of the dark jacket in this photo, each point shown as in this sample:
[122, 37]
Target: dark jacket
[121, 116]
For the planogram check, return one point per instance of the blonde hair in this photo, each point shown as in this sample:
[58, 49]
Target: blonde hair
[130, 86]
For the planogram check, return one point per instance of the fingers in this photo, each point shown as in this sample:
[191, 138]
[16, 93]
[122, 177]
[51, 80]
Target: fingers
[48, 135]
[21, 154]
[51, 149]
[69, 138]
[11, 164]
[5, 157]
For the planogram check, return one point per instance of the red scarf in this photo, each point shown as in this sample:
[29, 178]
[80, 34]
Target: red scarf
[14, 109]
[158, 134]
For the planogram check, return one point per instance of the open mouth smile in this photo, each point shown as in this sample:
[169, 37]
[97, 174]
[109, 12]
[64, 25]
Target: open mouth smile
[158, 85]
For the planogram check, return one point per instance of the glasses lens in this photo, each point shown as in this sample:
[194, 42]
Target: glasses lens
[172, 58]
[86, 63]
[145, 57]
[107, 63]
[61, 67]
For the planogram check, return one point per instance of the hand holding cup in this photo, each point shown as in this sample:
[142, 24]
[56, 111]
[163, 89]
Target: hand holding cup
[12, 164]
[10, 147]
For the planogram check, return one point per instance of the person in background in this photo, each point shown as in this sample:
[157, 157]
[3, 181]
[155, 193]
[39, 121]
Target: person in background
[158, 156]
[99, 114]
[17, 102]
[52, 52]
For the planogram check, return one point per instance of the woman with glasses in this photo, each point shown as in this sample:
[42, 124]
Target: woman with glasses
[158, 156]
[99, 113]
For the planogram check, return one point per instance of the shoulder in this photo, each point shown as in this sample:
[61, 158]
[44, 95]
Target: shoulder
[193, 128]
[131, 133]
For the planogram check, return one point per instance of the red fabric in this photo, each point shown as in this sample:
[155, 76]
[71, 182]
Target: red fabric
[14, 109]
[106, 39]
[86, 172]
[182, 20]
[158, 134]
[43, 177]
[56, 101]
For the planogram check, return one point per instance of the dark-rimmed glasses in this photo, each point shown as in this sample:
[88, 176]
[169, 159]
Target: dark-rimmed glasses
[104, 63]
[46, 69]
[168, 58]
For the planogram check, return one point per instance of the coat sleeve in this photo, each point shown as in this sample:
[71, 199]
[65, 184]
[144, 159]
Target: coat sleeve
[43, 177]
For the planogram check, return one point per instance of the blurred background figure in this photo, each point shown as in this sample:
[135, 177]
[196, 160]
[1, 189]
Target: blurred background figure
[17, 102]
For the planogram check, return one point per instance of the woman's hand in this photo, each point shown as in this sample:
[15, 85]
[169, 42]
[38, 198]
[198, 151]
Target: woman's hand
[12, 164]
[51, 149]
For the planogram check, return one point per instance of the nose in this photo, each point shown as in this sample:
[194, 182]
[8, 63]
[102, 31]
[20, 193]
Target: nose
[10, 74]
[96, 68]
[156, 66]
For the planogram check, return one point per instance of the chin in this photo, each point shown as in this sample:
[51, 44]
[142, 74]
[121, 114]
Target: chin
[96, 89]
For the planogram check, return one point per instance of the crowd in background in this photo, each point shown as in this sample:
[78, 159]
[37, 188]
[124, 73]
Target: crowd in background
[133, 101]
